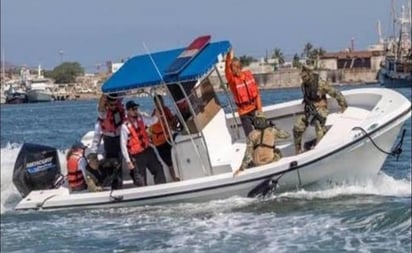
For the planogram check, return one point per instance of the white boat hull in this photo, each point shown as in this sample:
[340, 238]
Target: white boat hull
[36, 96]
[344, 153]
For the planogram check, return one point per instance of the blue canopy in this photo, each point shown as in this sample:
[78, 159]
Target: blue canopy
[140, 72]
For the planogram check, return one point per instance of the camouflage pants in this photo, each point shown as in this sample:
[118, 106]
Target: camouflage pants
[300, 125]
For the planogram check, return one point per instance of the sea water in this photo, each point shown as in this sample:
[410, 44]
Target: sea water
[373, 215]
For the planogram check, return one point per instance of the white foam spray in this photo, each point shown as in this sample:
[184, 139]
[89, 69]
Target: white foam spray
[380, 185]
[10, 196]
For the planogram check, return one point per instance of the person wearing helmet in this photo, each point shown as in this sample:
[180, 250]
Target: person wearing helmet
[100, 173]
[315, 106]
[261, 148]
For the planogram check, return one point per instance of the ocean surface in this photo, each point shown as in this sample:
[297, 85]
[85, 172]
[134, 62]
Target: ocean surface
[373, 215]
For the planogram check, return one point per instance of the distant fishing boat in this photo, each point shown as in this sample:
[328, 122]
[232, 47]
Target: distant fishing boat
[39, 89]
[16, 95]
[396, 70]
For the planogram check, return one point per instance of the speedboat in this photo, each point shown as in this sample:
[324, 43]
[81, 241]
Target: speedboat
[39, 89]
[211, 145]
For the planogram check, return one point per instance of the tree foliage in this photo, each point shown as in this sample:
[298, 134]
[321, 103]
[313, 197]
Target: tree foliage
[307, 50]
[246, 60]
[66, 72]
[296, 61]
[278, 54]
[312, 54]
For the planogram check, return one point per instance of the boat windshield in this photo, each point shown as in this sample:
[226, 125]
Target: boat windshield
[203, 100]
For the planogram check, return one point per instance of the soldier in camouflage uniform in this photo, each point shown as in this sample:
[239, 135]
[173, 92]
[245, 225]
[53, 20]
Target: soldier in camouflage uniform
[316, 110]
[261, 142]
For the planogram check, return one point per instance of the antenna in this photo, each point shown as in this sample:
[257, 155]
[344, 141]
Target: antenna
[393, 18]
[153, 62]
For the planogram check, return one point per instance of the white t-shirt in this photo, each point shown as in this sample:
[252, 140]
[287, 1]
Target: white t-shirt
[124, 132]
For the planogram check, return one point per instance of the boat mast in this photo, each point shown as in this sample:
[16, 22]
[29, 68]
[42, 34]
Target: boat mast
[393, 19]
[3, 75]
[39, 71]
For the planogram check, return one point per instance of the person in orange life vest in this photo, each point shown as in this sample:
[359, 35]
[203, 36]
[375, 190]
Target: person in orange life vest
[76, 165]
[112, 115]
[245, 91]
[136, 149]
[161, 133]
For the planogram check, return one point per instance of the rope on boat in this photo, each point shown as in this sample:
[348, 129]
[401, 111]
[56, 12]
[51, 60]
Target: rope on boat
[396, 151]
[40, 205]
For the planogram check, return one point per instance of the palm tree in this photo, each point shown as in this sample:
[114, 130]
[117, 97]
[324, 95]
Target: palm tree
[307, 50]
[315, 55]
[296, 61]
[245, 60]
[278, 54]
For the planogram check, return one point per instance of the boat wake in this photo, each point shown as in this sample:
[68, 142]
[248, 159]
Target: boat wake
[379, 185]
[9, 194]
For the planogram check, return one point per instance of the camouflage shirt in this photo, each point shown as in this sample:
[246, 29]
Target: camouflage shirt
[325, 88]
[253, 152]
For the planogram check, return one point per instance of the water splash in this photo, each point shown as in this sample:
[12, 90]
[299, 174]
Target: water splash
[380, 185]
[8, 191]
[10, 196]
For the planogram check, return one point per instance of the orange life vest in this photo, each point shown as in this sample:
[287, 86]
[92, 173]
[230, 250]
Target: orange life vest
[159, 137]
[74, 174]
[244, 89]
[114, 119]
[138, 139]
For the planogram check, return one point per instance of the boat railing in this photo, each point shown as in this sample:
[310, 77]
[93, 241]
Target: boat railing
[230, 103]
[197, 125]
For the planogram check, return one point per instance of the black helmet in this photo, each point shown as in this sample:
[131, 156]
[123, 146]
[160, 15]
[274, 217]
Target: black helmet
[259, 122]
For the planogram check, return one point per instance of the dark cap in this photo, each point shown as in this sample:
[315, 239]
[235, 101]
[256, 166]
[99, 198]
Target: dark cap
[131, 104]
[78, 145]
[92, 156]
[112, 97]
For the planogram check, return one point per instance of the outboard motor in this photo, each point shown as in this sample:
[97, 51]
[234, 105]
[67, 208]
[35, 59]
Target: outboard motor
[37, 167]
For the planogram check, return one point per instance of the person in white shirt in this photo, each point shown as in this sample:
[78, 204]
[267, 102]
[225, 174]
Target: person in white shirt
[135, 146]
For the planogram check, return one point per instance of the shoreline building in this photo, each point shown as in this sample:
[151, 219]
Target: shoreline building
[352, 66]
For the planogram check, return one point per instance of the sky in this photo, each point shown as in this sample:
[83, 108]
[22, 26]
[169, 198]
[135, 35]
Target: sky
[93, 32]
